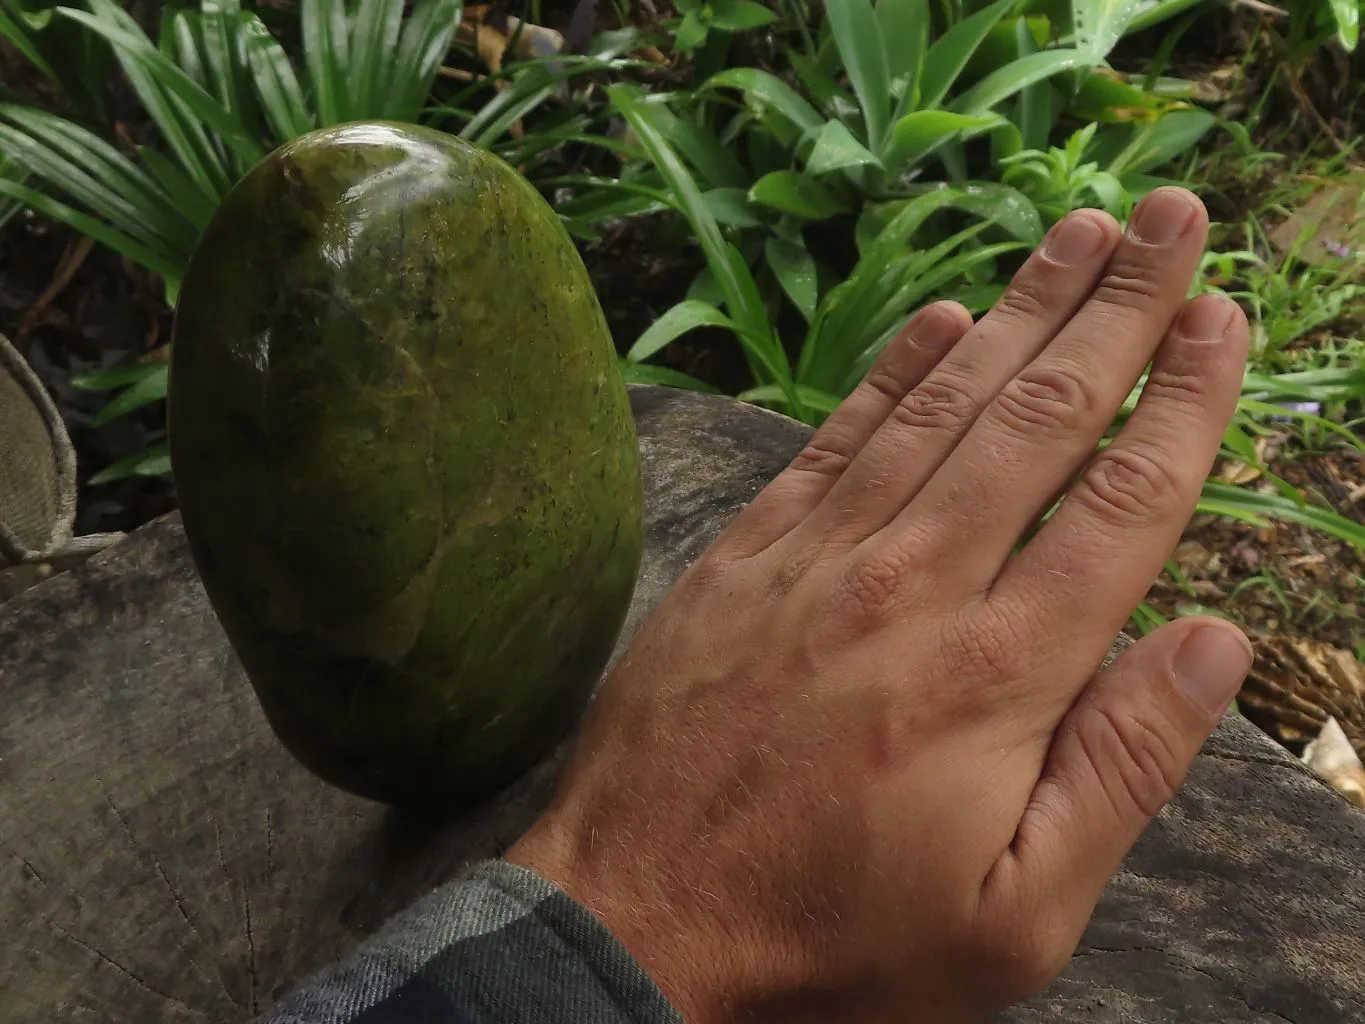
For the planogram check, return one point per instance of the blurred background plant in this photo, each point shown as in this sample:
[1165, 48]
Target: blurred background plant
[762, 190]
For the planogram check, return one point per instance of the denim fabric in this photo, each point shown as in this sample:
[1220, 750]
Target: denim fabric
[500, 946]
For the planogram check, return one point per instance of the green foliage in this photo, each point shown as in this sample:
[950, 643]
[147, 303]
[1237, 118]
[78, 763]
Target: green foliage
[848, 323]
[72, 58]
[702, 17]
[1288, 299]
[221, 92]
[874, 117]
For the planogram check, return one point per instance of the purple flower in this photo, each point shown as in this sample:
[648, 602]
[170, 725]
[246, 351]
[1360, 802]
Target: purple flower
[1337, 248]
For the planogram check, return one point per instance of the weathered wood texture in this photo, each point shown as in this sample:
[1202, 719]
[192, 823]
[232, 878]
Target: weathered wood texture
[163, 859]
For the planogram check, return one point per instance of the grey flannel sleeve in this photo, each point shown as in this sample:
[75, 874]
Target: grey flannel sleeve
[500, 946]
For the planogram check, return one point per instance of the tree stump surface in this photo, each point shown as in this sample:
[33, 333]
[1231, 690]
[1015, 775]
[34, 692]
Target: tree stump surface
[162, 858]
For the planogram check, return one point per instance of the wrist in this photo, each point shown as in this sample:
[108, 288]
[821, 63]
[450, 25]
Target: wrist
[702, 971]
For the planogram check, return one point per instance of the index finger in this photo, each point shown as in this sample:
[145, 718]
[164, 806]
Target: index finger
[1093, 561]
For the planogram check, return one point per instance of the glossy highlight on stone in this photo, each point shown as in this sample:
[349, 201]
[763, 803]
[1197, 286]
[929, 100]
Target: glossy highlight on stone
[405, 460]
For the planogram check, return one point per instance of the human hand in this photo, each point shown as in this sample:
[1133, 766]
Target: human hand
[859, 765]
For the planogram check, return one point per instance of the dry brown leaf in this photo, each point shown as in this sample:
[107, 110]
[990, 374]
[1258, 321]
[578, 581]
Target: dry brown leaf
[1295, 685]
[1332, 757]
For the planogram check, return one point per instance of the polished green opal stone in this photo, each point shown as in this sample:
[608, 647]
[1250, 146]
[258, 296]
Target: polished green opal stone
[405, 460]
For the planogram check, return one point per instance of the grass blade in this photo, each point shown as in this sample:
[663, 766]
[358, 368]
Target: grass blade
[275, 82]
[178, 85]
[858, 37]
[190, 201]
[424, 44]
[1004, 82]
[918, 134]
[763, 90]
[650, 373]
[736, 283]
[109, 168]
[374, 37]
[951, 52]
[325, 54]
[159, 262]
[1256, 508]
[686, 316]
[905, 29]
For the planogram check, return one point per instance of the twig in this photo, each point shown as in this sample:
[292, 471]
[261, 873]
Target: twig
[61, 277]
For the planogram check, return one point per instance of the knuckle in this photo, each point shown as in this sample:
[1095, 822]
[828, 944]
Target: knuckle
[1127, 285]
[1170, 387]
[990, 649]
[1053, 400]
[883, 382]
[941, 403]
[1025, 301]
[822, 457]
[1138, 766]
[1128, 485]
[872, 588]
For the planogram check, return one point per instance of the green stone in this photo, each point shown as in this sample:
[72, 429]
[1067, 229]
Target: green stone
[405, 460]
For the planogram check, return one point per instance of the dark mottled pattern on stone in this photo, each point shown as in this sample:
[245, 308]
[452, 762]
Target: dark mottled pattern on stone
[405, 458]
[162, 858]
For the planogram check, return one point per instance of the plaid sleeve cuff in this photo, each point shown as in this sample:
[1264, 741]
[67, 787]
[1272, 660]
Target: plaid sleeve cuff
[500, 946]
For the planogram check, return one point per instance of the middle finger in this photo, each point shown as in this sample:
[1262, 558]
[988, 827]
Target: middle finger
[1042, 426]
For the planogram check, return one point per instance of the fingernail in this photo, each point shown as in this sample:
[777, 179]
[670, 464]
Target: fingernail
[1210, 666]
[1162, 217]
[1074, 239]
[1206, 319]
[933, 328]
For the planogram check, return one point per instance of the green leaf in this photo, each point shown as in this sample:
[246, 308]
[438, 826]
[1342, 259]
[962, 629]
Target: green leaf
[326, 45]
[1004, 82]
[794, 268]
[763, 91]
[714, 162]
[797, 194]
[147, 390]
[1097, 25]
[154, 461]
[189, 199]
[905, 30]
[918, 134]
[690, 34]
[1346, 14]
[68, 149]
[743, 304]
[157, 261]
[649, 373]
[686, 316]
[373, 40]
[1007, 208]
[836, 149]
[185, 136]
[951, 51]
[1257, 508]
[220, 26]
[820, 401]
[276, 84]
[424, 43]
[113, 377]
[731, 207]
[137, 48]
[740, 15]
[1156, 144]
[858, 37]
